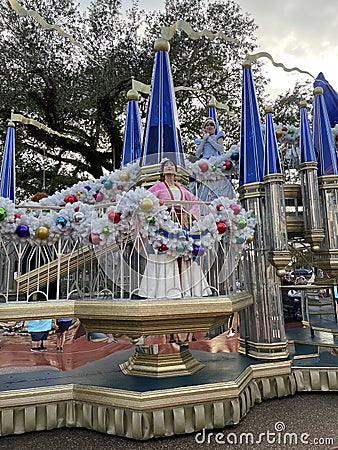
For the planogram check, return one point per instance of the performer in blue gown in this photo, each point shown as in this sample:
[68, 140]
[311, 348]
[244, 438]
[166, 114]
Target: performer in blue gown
[211, 144]
[211, 148]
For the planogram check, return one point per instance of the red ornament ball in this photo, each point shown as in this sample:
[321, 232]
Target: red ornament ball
[219, 207]
[77, 208]
[221, 227]
[114, 216]
[98, 196]
[284, 128]
[228, 164]
[94, 238]
[203, 166]
[163, 248]
[17, 216]
[70, 198]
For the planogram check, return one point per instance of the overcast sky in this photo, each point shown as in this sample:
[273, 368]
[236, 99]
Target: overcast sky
[301, 33]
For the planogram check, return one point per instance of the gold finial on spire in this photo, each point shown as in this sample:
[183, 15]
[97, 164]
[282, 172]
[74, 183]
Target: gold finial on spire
[132, 94]
[318, 90]
[212, 102]
[161, 44]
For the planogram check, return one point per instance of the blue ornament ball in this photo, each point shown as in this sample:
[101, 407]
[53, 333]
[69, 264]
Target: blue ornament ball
[180, 248]
[22, 231]
[107, 184]
[235, 156]
[241, 238]
[197, 250]
[61, 221]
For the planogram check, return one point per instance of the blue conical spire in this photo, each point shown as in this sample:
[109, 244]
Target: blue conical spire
[213, 113]
[133, 130]
[251, 161]
[272, 159]
[7, 174]
[307, 150]
[322, 136]
[162, 136]
[330, 97]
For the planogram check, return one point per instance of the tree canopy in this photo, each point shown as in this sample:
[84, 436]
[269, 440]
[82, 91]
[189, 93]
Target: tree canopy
[46, 77]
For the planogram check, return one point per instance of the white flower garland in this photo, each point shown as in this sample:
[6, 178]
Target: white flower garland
[216, 167]
[286, 133]
[135, 208]
[153, 222]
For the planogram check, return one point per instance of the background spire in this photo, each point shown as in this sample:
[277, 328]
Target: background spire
[251, 161]
[162, 136]
[322, 136]
[212, 112]
[133, 130]
[272, 160]
[7, 174]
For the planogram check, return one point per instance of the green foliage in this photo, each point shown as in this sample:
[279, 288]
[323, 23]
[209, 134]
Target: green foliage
[45, 77]
[286, 105]
[213, 67]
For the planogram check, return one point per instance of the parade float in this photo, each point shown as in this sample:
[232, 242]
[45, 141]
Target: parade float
[85, 250]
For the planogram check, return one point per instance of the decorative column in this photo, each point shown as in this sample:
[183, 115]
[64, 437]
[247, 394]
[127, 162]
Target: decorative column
[276, 229]
[308, 172]
[327, 257]
[262, 327]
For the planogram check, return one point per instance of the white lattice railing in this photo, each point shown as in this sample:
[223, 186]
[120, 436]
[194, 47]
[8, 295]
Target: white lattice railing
[70, 267]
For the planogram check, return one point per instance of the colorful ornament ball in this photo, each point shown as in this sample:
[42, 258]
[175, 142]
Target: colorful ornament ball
[42, 232]
[114, 216]
[228, 164]
[61, 221]
[146, 204]
[22, 231]
[70, 198]
[3, 214]
[203, 166]
[94, 238]
[221, 227]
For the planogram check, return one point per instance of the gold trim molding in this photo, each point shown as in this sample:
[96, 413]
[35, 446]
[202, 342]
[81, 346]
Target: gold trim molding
[149, 316]
[146, 415]
[161, 365]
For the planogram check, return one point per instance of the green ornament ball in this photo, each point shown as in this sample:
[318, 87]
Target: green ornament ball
[150, 220]
[241, 223]
[105, 230]
[180, 248]
[3, 214]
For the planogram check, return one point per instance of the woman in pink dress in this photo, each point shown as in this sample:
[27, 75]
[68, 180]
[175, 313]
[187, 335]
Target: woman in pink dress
[168, 276]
